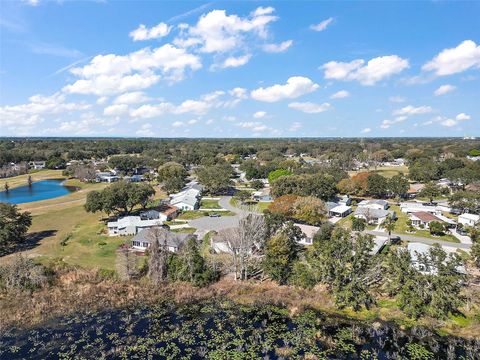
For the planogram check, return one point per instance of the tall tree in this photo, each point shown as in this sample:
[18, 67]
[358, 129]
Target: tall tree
[13, 227]
[281, 251]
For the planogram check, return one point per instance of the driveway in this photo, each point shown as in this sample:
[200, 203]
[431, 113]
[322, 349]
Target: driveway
[207, 223]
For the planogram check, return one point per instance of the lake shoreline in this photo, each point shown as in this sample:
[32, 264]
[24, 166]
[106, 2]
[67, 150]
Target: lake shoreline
[38, 191]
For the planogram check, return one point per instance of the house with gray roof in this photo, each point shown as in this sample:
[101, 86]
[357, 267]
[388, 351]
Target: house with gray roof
[174, 241]
[131, 225]
[372, 215]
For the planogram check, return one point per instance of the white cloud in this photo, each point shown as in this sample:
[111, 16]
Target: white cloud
[295, 126]
[113, 74]
[209, 121]
[144, 33]
[366, 130]
[116, 110]
[277, 48]
[145, 130]
[455, 60]
[444, 89]
[233, 61]
[150, 111]
[309, 107]
[134, 97]
[31, 113]
[462, 116]
[397, 99]
[296, 86]
[448, 122]
[411, 110]
[387, 123]
[218, 32]
[192, 122]
[193, 106]
[239, 92]
[376, 69]
[177, 124]
[340, 94]
[259, 114]
[322, 25]
[254, 126]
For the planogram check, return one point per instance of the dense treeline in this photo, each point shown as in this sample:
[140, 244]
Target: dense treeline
[205, 151]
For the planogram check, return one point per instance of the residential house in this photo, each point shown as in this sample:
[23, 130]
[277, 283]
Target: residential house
[378, 243]
[374, 204]
[262, 195]
[106, 176]
[468, 219]
[340, 211]
[131, 225]
[411, 207]
[144, 239]
[414, 189]
[309, 232]
[133, 178]
[422, 219]
[186, 200]
[344, 200]
[37, 165]
[373, 215]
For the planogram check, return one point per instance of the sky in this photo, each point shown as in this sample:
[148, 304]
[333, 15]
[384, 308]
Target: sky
[239, 69]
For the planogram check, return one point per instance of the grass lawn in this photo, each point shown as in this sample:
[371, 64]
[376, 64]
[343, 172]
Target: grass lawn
[190, 215]
[387, 171]
[209, 204]
[21, 180]
[184, 230]
[263, 205]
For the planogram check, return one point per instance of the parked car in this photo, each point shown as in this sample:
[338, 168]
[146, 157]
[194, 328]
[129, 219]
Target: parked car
[395, 239]
[214, 215]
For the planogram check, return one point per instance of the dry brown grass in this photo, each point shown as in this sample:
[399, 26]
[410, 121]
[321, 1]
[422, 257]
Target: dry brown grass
[77, 290]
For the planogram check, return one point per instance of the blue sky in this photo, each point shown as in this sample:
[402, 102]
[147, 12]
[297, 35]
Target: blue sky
[239, 69]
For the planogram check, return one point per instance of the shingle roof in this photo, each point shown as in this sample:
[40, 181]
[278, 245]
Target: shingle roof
[173, 239]
[425, 216]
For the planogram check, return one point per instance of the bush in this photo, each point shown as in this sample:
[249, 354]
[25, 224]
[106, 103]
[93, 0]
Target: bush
[302, 276]
[22, 274]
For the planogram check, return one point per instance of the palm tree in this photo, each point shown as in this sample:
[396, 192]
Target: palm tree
[389, 225]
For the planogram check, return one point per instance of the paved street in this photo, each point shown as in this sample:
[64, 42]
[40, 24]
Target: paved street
[207, 223]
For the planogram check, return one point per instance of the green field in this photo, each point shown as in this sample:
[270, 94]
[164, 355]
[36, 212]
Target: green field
[387, 171]
[209, 204]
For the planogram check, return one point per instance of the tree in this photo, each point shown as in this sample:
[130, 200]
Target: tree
[319, 185]
[13, 227]
[283, 205]
[309, 209]
[119, 197]
[172, 175]
[280, 253]
[189, 265]
[377, 185]
[7, 188]
[275, 174]
[243, 241]
[410, 227]
[398, 185]
[125, 264]
[242, 195]
[22, 274]
[468, 201]
[346, 265]
[436, 228]
[358, 224]
[389, 225]
[158, 259]
[302, 275]
[430, 191]
[424, 170]
[216, 178]
[435, 290]
[257, 184]
[125, 163]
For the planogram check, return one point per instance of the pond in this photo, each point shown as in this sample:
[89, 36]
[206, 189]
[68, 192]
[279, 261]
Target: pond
[220, 329]
[40, 190]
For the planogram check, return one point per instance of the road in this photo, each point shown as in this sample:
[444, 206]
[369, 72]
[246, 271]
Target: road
[412, 238]
[207, 223]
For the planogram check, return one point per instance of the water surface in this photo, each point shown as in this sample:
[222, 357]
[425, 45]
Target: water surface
[40, 190]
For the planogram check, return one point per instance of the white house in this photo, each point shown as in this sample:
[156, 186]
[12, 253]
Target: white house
[37, 165]
[309, 232]
[373, 216]
[411, 207]
[374, 204]
[423, 219]
[143, 240]
[468, 219]
[340, 211]
[417, 250]
[378, 243]
[131, 225]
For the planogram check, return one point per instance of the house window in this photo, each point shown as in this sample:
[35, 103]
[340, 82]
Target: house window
[145, 244]
[136, 243]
